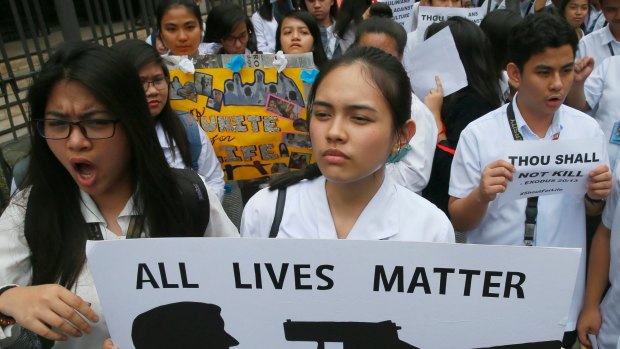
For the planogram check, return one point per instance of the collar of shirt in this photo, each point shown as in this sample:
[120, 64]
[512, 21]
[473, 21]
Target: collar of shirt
[527, 133]
[608, 36]
[91, 212]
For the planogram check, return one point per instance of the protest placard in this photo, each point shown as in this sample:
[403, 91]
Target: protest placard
[294, 293]
[402, 11]
[428, 15]
[246, 114]
[551, 167]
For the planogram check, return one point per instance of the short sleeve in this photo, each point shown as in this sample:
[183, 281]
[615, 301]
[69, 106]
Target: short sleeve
[593, 87]
[465, 171]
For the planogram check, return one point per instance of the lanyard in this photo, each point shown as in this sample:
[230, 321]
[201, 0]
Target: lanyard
[133, 231]
[531, 209]
[611, 49]
[593, 23]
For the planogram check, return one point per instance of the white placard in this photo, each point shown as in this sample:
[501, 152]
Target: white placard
[428, 15]
[437, 56]
[418, 295]
[550, 167]
[402, 11]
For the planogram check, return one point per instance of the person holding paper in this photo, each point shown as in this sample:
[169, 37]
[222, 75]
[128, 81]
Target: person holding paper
[97, 172]
[412, 169]
[454, 112]
[601, 319]
[541, 56]
[359, 115]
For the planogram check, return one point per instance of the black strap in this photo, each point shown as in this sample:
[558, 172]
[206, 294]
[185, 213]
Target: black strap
[611, 49]
[275, 226]
[195, 197]
[531, 210]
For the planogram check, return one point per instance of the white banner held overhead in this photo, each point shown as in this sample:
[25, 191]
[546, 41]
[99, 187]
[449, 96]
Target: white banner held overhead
[281, 293]
[428, 15]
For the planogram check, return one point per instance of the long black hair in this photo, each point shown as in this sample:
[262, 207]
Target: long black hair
[391, 80]
[350, 11]
[222, 21]
[473, 47]
[54, 227]
[318, 53]
[497, 26]
[140, 54]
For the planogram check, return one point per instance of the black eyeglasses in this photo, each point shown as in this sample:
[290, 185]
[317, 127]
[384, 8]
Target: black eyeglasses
[159, 83]
[91, 129]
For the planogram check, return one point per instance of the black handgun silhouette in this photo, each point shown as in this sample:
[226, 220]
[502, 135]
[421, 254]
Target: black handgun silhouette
[353, 335]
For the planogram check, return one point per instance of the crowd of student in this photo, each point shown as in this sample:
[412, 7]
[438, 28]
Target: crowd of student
[388, 166]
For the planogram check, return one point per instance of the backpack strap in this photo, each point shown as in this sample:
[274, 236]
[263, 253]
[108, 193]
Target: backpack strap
[193, 136]
[275, 226]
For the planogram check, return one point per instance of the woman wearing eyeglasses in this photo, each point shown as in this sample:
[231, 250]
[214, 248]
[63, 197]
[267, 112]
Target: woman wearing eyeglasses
[96, 172]
[229, 30]
[184, 147]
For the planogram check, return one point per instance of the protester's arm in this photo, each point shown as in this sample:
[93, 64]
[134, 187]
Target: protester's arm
[599, 188]
[434, 102]
[598, 271]
[467, 213]
[576, 97]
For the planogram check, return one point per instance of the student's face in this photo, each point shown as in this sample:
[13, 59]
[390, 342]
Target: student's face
[319, 9]
[295, 36]
[544, 81]
[100, 166]
[576, 12]
[446, 3]
[380, 41]
[611, 11]
[351, 129]
[237, 40]
[156, 87]
[180, 31]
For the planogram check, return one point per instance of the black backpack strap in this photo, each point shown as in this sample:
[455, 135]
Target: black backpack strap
[194, 195]
[275, 226]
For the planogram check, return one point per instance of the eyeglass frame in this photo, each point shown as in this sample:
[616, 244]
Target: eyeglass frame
[243, 38]
[40, 125]
[147, 83]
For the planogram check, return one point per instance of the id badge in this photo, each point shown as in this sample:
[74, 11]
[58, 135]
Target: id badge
[615, 133]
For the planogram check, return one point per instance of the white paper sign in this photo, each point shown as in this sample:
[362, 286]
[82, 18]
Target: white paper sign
[437, 56]
[428, 15]
[293, 293]
[551, 167]
[402, 11]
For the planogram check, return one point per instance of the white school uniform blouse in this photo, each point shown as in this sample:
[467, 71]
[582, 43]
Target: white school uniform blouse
[609, 334]
[413, 170]
[265, 33]
[602, 90]
[560, 219]
[394, 213]
[15, 267]
[208, 165]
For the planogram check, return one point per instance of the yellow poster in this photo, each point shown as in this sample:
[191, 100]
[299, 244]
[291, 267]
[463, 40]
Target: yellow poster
[255, 118]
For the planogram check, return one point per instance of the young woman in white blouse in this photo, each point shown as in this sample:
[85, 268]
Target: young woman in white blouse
[360, 107]
[97, 172]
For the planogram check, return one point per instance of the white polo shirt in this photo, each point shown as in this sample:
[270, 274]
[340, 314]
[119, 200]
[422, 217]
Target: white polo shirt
[602, 91]
[560, 219]
[413, 170]
[394, 213]
[596, 45]
[609, 334]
